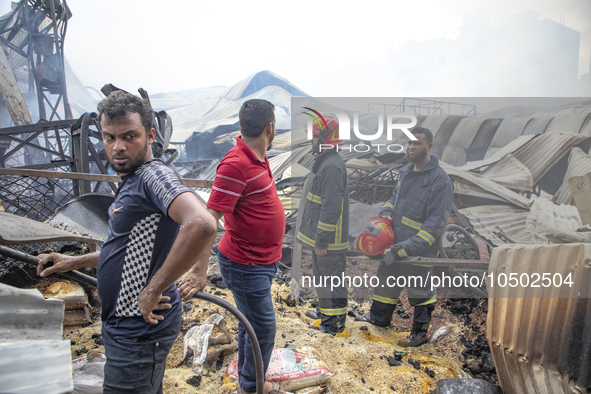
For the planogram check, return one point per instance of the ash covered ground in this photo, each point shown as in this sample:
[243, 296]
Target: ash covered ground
[359, 357]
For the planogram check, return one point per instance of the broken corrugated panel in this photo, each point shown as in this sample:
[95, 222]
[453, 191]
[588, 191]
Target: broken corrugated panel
[511, 173]
[34, 358]
[488, 219]
[541, 153]
[27, 315]
[487, 185]
[541, 344]
[556, 223]
[36, 367]
[579, 163]
[537, 125]
[571, 123]
[509, 148]
[509, 129]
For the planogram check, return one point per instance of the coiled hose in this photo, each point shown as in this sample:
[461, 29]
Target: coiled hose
[469, 238]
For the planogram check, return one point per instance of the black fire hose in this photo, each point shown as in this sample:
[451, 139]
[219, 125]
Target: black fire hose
[469, 238]
[80, 277]
[256, 349]
[27, 258]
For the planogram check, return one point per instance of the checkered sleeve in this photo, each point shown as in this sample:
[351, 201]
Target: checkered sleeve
[162, 185]
[228, 187]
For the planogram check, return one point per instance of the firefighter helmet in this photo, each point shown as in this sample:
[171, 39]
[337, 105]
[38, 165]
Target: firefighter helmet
[327, 136]
[377, 237]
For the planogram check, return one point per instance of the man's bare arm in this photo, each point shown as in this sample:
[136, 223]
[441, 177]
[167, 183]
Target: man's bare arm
[191, 283]
[194, 241]
[63, 263]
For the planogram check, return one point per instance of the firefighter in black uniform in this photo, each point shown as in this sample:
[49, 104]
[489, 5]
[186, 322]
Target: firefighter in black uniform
[325, 225]
[419, 209]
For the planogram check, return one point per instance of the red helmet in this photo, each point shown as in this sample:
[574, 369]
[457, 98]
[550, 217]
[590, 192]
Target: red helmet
[377, 237]
[332, 134]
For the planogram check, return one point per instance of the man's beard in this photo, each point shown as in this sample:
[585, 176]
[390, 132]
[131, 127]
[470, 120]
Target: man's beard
[134, 164]
[418, 156]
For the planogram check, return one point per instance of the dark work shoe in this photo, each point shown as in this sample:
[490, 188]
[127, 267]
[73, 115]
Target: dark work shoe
[414, 339]
[327, 330]
[312, 314]
[368, 319]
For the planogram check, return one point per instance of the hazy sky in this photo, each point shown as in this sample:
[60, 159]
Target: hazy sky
[175, 45]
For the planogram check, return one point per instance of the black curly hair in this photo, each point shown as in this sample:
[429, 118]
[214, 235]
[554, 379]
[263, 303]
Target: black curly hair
[119, 103]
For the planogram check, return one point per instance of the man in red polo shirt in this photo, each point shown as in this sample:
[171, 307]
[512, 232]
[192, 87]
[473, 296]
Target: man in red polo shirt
[244, 192]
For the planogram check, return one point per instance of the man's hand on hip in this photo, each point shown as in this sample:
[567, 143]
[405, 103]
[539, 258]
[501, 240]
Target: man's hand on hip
[149, 301]
[191, 284]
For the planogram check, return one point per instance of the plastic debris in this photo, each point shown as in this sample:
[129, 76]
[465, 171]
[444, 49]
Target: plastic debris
[197, 340]
[441, 332]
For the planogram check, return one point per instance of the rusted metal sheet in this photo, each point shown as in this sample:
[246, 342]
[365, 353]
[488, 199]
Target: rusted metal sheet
[16, 230]
[540, 337]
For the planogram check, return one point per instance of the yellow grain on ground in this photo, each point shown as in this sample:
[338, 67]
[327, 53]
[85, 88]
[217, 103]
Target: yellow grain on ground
[344, 334]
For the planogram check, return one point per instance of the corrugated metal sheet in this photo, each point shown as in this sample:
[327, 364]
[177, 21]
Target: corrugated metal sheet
[465, 132]
[488, 219]
[537, 125]
[27, 315]
[455, 151]
[454, 155]
[556, 223]
[579, 163]
[34, 358]
[487, 186]
[540, 340]
[509, 148]
[571, 123]
[444, 134]
[509, 129]
[479, 146]
[434, 122]
[540, 154]
[511, 173]
[586, 129]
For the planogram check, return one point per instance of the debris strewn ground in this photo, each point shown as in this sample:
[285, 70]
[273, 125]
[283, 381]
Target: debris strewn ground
[361, 357]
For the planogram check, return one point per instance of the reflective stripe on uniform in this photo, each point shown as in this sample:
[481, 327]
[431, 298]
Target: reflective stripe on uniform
[411, 223]
[388, 205]
[314, 198]
[431, 300]
[402, 253]
[333, 312]
[385, 300]
[326, 226]
[426, 236]
[312, 243]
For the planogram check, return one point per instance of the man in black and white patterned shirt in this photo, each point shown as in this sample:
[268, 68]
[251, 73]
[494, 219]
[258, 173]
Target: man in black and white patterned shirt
[158, 229]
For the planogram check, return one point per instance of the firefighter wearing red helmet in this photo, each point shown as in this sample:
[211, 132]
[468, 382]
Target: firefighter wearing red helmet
[325, 225]
[419, 208]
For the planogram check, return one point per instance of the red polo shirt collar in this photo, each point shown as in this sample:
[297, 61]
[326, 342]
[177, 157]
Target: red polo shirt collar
[246, 149]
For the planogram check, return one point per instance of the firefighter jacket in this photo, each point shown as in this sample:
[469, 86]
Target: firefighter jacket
[420, 206]
[325, 221]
